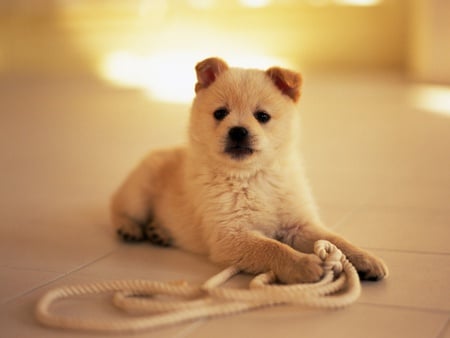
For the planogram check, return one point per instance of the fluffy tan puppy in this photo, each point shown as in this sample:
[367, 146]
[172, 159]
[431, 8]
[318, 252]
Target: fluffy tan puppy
[237, 192]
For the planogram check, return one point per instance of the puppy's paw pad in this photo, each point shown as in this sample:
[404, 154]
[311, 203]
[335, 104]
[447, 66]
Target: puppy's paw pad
[369, 267]
[156, 235]
[131, 234]
[368, 276]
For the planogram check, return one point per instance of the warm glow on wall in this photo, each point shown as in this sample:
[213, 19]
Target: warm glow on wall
[154, 44]
[160, 59]
[358, 2]
[169, 75]
[255, 3]
[432, 98]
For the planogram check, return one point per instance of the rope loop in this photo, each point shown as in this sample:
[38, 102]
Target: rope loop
[158, 304]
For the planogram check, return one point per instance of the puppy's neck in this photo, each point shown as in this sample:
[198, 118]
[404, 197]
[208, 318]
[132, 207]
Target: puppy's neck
[237, 174]
[239, 171]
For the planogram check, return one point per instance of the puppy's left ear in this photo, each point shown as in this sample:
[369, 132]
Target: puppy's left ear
[207, 72]
[287, 81]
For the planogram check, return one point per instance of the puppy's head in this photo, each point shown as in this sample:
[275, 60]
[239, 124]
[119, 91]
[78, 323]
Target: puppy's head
[243, 117]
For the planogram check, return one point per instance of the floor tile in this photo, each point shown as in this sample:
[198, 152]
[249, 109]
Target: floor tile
[149, 262]
[334, 216]
[404, 229]
[417, 281]
[446, 332]
[16, 282]
[340, 189]
[412, 193]
[354, 322]
[61, 242]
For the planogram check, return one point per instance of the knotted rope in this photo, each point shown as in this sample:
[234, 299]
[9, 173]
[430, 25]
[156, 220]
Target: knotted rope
[339, 287]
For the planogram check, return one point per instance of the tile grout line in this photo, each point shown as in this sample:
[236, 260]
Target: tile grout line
[341, 221]
[404, 307]
[186, 332]
[57, 278]
[431, 253]
[338, 224]
[441, 333]
[20, 268]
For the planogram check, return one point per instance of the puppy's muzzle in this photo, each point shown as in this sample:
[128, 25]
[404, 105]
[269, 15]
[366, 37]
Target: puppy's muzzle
[238, 143]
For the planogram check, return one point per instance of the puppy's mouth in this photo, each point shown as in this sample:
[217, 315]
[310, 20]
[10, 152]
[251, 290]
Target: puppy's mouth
[238, 151]
[238, 143]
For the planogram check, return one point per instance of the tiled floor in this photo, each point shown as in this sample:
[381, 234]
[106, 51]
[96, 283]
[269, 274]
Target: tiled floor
[380, 170]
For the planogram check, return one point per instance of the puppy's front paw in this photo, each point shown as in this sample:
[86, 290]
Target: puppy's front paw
[368, 266]
[307, 268]
[130, 232]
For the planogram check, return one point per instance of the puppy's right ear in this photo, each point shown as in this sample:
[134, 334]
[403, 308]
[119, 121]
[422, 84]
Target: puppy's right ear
[287, 81]
[207, 72]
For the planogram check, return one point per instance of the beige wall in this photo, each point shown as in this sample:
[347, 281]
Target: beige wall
[47, 36]
[429, 55]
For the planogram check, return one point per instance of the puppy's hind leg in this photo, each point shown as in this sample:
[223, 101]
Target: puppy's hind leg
[133, 219]
[157, 234]
[131, 205]
[128, 229]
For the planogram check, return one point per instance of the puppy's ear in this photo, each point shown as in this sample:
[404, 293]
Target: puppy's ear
[207, 72]
[287, 81]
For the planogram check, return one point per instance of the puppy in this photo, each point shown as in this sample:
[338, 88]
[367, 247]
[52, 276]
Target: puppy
[237, 192]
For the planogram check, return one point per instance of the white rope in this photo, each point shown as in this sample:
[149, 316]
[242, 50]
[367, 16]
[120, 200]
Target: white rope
[338, 288]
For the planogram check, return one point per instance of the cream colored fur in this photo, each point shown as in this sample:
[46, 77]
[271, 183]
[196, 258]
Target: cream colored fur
[255, 211]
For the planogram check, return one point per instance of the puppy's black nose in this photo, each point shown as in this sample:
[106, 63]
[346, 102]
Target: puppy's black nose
[238, 134]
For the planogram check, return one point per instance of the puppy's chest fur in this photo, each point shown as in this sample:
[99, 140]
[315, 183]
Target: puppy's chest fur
[250, 202]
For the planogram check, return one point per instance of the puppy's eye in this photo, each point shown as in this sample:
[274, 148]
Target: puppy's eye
[262, 116]
[220, 114]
